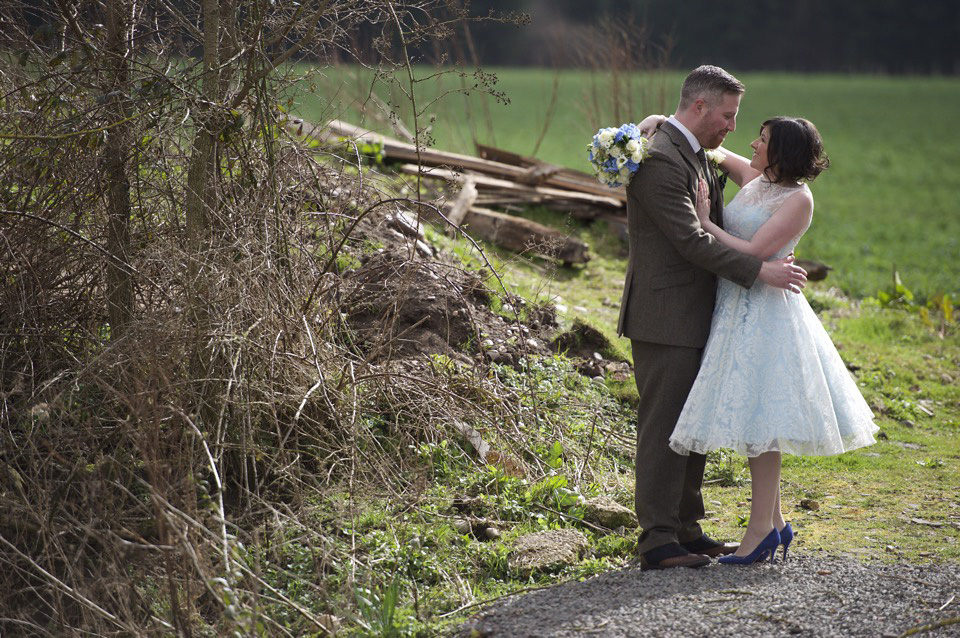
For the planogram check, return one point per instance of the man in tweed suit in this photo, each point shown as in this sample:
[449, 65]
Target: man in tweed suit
[667, 307]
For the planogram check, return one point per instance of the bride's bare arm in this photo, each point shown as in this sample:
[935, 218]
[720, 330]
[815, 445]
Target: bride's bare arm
[649, 125]
[738, 167]
[787, 222]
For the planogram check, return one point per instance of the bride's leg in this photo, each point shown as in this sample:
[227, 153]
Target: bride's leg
[765, 493]
[778, 520]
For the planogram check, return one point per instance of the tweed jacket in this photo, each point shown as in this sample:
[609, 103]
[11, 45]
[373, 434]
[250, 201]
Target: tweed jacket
[670, 286]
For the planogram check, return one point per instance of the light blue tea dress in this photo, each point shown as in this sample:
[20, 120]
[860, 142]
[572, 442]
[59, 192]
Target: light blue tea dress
[770, 378]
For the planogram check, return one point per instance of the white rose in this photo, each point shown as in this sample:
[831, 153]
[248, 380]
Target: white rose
[633, 146]
[637, 157]
[606, 138]
[616, 152]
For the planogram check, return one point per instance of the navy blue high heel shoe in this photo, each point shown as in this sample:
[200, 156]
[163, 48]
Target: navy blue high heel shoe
[786, 537]
[766, 548]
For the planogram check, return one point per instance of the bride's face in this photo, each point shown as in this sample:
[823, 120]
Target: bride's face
[760, 161]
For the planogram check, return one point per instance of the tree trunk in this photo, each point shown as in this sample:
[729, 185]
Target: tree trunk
[201, 189]
[119, 282]
[201, 202]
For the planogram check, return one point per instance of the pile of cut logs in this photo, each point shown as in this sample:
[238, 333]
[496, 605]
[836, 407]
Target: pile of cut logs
[499, 178]
[505, 180]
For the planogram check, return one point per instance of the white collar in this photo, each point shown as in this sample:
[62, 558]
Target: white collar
[694, 142]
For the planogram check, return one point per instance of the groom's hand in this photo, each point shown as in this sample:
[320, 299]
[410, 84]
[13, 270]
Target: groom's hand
[783, 273]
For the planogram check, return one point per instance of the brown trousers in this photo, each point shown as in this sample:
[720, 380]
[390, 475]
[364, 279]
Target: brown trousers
[668, 499]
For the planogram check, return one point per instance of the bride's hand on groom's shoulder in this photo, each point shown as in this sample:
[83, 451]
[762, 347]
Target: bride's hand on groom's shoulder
[649, 125]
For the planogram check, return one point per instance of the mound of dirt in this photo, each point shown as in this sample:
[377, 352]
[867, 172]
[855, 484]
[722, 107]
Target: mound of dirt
[406, 300]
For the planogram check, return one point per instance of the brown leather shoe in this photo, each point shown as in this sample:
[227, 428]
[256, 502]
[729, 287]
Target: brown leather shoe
[687, 560]
[709, 547]
[669, 556]
[722, 549]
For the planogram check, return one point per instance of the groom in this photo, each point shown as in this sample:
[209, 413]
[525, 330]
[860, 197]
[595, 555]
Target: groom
[667, 306]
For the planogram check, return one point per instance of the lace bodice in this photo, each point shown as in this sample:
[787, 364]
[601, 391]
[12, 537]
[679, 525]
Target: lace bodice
[754, 205]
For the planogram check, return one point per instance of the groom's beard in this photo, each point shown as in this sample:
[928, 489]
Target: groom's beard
[716, 140]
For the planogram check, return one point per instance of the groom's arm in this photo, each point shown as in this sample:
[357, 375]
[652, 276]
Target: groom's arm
[662, 185]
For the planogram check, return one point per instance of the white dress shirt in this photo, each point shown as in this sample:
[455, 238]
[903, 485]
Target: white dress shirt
[694, 142]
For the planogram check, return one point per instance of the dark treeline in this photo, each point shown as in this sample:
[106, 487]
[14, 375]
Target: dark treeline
[887, 36]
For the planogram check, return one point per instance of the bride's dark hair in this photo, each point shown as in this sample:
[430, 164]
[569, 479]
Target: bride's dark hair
[794, 150]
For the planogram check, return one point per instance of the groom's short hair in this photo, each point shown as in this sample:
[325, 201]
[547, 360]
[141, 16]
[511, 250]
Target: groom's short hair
[710, 83]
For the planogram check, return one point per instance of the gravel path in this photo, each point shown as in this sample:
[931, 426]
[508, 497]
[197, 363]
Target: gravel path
[810, 595]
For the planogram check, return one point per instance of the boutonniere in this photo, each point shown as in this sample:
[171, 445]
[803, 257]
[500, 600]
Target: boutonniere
[715, 157]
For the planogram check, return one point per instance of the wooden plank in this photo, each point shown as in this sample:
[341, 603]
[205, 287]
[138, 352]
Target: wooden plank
[563, 177]
[461, 206]
[557, 177]
[522, 235]
[533, 194]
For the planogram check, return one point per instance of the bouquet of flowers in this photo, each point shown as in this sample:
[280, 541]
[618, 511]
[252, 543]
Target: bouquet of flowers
[616, 153]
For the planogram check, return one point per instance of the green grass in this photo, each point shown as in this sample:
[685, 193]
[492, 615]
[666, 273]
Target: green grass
[870, 498]
[885, 201]
[888, 200]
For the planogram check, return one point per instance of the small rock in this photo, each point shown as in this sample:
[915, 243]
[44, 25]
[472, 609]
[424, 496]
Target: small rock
[462, 526]
[908, 423]
[882, 435]
[599, 380]
[908, 446]
[507, 307]
[547, 551]
[425, 249]
[605, 511]
[580, 309]
[40, 413]
[492, 533]
[487, 343]
[597, 356]
[809, 504]
[532, 343]
[923, 521]
[824, 572]
[561, 308]
[946, 379]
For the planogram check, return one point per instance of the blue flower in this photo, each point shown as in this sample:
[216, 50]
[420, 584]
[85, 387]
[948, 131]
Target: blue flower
[632, 165]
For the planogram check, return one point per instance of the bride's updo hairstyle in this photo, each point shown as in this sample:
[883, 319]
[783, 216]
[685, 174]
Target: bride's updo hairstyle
[794, 150]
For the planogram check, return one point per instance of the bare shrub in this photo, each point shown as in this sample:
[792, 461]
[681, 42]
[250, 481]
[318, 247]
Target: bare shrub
[176, 371]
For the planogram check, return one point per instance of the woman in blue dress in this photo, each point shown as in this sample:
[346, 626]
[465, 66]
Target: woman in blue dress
[771, 381]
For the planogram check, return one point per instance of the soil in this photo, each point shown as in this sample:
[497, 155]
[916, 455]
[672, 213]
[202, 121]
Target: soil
[407, 299]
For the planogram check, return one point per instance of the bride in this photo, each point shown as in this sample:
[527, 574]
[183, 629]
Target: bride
[771, 380]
